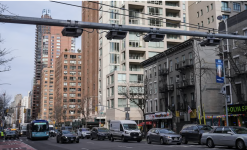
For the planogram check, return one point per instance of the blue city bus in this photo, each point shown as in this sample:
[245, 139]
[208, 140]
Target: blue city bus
[38, 129]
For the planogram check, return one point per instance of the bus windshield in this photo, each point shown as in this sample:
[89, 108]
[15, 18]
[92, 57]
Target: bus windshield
[40, 127]
[23, 127]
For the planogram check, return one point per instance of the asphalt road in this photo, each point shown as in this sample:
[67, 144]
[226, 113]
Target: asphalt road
[87, 144]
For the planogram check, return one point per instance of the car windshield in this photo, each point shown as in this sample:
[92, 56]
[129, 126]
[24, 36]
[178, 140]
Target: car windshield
[66, 132]
[11, 132]
[130, 126]
[205, 128]
[239, 130]
[40, 127]
[84, 129]
[168, 131]
[103, 130]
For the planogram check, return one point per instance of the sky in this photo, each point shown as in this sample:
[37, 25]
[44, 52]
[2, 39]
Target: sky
[20, 40]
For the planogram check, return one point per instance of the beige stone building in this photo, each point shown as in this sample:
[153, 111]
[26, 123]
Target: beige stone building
[205, 13]
[68, 84]
[119, 60]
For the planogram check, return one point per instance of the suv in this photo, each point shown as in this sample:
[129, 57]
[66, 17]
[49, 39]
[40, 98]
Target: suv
[99, 133]
[83, 133]
[193, 132]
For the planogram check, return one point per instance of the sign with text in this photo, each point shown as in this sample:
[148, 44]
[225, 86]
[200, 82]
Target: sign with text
[160, 115]
[237, 109]
[219, 71]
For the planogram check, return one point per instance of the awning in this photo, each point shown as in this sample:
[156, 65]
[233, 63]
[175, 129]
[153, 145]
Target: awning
[147, 123]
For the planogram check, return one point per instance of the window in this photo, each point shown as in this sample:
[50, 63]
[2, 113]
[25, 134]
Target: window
[114, 14]
[112, 78]
[212, 6]
[236, 7]
[245, 6]
[155, 105]
[121, 90]
[208, 20]
[224, 5]
[155, 72]
[147, 106]
[212, 18]
[245, 32]
[150, 89]
[171, 66]
[155, 22]
[226, 129]
[133, 103]
[151, 54]
[155, 11]
[201, 12]
[112, 91]
[122, 102]
[171, 80]
[151, 106]
[112, 103]
[65, 61]
[218, 130]
[198, 14]
[202, 23]
[114, 47]
[207, 8]
[136, 78]
[155, 87]
[225, 16]
[114, 58]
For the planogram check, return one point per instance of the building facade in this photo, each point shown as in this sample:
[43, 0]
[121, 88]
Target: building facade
[67, 88]
[205, 13]
[119, 60]
[174, 83]
[234, 55]
[90, 57]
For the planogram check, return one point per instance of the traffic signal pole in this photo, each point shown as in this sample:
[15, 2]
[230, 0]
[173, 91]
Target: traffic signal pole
[93, 25]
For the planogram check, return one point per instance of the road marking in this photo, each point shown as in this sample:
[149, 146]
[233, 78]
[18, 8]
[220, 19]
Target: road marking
[84, 148]
[125, 146]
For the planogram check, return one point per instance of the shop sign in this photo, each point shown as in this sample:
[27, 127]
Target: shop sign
[150, 117]
[163, 115]
[237, 109]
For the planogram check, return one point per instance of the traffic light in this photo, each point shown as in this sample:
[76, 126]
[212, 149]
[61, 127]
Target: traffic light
[7, 110]
[25, 110]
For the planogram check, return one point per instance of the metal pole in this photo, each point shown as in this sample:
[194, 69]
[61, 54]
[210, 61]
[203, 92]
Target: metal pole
[92, 25]
[227, 48]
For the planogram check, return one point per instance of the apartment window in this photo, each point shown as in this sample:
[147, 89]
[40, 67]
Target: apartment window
[245, 32]
[133, 103]
[151, 106]
[171, 66]
[171, 80]
[201, 12]
[65, 83]
[155, 22]
[198, 24]
[198, 14]
[245, 6]
[73, 56]
[114, 14]
[65, 61]
[155, 87]
[155, 105]
[112, 91]
[207, 8]
[150, 73]
[121, 90]
[114, 47]
[236, 7]
[208, 20]
[225, 17]
[212, 6]
[71, 100]
[155, 11]
[155, 73]
[184, 6]
[114, 59]
[112, 103]
[136, 78]
[146, 106]
[150, 89]
[112, 78]
[122, 102]
[151, 54]
[212, 18]
[64, 95]
[202, 23]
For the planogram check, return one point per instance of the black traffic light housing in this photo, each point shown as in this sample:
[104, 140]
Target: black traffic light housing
[116, 34]
[72, 31]
[210, 42]
[154, 37]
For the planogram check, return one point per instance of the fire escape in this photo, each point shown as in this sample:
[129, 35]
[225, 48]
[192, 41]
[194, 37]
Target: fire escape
[184, 84]
[239, 70]
[165, 88]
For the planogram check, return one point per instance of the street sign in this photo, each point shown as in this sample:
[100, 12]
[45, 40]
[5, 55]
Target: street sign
[126, 108]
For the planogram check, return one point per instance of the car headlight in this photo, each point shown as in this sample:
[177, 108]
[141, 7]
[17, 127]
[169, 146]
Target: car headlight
[169, 137]
[65, 137]
[140, 134]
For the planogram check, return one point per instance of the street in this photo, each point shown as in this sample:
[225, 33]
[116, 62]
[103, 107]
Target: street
[86, 144]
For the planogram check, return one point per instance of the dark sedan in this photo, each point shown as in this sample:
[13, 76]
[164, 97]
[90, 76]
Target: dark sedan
[11, 134]
[163, 136]
[65, 136]
[99, 133]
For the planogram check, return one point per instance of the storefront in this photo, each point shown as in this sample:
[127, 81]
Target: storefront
[237, 115]
[160, 120]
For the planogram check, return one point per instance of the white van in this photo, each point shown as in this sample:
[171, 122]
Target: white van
[125, 130]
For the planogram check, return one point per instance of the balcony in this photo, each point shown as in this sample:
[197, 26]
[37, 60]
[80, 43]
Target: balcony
[173, 14]
[155, 2]
[137, 21]
[166, 88]
[172, 3]
[185, 84]
[171, 36]
[187, 63]
[226, 9]
[172, 24]
[136, 56]
[164, 72]
[136, 43]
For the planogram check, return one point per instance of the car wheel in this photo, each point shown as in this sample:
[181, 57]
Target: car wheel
[91, 137]
[71, 141]
[82, 136]
[210, 143]
[240, 144]
[57, 141]
[161, 141]
[122, 139]
[139, 141]
[77, 141]
[148, 140]
[87, 137]
[184, 140]
[103, 139]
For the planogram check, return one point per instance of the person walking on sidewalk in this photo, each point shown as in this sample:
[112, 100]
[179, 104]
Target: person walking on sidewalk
[2, 135]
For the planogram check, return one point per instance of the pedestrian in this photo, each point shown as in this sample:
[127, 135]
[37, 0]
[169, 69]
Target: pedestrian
[2, 135]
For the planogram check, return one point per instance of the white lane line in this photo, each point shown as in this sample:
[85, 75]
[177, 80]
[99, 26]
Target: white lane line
[85, 148]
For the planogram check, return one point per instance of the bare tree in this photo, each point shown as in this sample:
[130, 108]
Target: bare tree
[86, 109]
[137, 93]
[4, 99]
[58, 112]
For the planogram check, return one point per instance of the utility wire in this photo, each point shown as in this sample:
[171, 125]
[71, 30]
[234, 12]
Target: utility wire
[119, 13]
[148, 14]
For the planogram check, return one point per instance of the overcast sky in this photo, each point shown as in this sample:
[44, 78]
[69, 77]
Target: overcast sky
[20, 39]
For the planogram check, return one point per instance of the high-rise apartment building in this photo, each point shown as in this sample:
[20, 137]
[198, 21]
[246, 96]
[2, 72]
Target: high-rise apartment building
[49, 44]
[90, 55]
[68, 85]
[205, 13]
[119, 60]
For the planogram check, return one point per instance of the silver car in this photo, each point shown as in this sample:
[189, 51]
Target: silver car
[226, 136]
[163, 136]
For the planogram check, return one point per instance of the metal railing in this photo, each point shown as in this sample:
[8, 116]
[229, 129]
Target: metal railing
[164, 71]
[184, 64]
[226, 9]
[185, 83]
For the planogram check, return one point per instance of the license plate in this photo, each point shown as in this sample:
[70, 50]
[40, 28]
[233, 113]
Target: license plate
[176, 139]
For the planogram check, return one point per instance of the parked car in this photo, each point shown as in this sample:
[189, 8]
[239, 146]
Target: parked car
[11, 134]
[84, 133]
[163, 136]
[226, 136]
[67, 136]
[125, 130]
[193, 132]
[99, 133]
